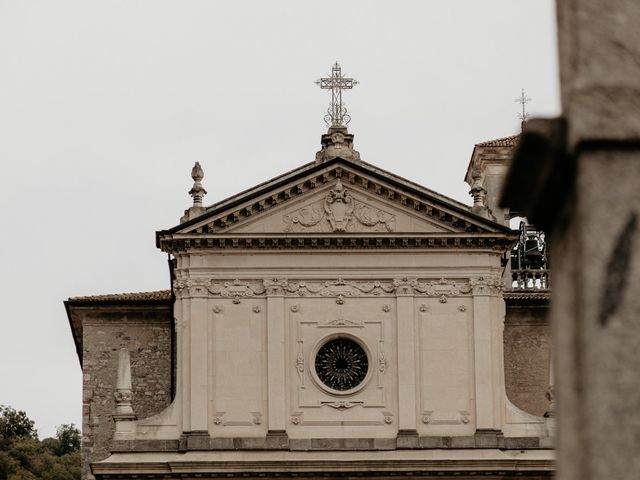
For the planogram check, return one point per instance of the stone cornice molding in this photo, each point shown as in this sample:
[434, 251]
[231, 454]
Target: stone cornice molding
[385, 464]
[418, 241]
[339, 288]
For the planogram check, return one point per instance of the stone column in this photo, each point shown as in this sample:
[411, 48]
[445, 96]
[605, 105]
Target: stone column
[407, 409]
[276, 369]
[124, 416]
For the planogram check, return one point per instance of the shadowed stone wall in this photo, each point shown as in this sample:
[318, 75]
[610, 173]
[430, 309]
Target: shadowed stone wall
[526, 357]
[146, 333]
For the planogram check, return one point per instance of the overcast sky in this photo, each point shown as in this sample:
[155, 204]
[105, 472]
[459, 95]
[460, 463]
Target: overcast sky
[105, 106]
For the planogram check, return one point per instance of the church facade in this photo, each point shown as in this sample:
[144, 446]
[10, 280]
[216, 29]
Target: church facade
[337, 320]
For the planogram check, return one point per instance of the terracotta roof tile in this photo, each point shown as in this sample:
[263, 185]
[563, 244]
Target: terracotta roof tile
[160, 295]
[500, 142]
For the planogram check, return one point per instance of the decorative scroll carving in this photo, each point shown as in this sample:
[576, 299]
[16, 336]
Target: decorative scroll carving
[296, 418]
[487, 286]
[217, 418]
[123, 396]
[236, 289]
[339, 289]
[382, 362]
[339, 212]
[341, 404]
[462, 417]
[342, 322]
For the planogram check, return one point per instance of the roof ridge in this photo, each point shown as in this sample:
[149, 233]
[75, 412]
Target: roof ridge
[158, 295]
[509, 141]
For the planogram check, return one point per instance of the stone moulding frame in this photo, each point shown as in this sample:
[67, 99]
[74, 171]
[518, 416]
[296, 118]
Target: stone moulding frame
[427, 241]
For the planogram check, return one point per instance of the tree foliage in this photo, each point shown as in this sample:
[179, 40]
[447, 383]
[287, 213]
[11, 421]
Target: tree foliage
[24, 457]
[16, 424]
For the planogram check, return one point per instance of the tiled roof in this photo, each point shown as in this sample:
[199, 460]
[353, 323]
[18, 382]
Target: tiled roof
[500, 142]
[160, 295]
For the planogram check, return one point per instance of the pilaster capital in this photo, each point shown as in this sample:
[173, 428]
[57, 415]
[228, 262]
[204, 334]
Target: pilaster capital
[487, 286]
[274, 287]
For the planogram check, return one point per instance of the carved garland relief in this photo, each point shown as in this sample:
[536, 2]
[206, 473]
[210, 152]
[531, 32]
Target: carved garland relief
[339, 289]
[339, 212]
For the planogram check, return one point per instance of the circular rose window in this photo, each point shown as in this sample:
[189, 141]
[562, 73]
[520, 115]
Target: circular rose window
[341, 364]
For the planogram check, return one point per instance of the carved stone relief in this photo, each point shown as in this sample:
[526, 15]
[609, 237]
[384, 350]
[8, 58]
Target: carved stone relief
[339, 212]
[219, 419]
[487, 286]
[457, 418]
[340, 289]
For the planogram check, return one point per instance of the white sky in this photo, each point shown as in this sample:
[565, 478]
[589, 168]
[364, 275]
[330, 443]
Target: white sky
[105, 106]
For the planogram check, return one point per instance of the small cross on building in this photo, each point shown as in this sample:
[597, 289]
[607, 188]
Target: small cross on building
[523, 100]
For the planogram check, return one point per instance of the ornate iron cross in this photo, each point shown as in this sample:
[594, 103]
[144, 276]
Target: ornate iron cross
[336, 113]
[523, 100]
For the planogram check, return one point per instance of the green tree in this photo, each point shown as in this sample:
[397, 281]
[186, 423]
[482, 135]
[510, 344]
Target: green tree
[68, 437]
[15, 424]
[24, 457]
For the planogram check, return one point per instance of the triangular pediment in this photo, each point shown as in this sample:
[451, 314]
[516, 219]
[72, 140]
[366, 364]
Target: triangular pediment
[337, 208]
[337, 197]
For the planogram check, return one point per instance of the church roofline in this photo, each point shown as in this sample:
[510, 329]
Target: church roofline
[504, 143]
[130, 297]
[118, 301]
[312, 167]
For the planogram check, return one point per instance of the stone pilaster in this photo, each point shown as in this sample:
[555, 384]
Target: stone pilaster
[407, 387]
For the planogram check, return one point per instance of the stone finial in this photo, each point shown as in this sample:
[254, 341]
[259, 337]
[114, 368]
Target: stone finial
[197, 191]
[479, 193]
[124, 415]
[337, 142]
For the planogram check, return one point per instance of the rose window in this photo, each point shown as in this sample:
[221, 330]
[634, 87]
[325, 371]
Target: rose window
[341, 364]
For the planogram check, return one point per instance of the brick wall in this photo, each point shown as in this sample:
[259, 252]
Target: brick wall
[526, 357]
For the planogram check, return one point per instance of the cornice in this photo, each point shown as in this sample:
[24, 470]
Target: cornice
[331, 466]
[319, 242]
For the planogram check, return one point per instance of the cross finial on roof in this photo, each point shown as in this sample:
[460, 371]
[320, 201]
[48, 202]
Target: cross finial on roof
[336, 113]
[523, 100]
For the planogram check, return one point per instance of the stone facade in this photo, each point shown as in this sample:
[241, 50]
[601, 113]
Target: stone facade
[145, 330]
[335, 318]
